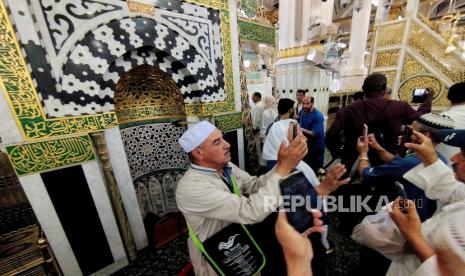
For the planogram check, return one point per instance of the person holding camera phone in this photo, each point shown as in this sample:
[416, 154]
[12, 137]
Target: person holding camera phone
[381, 179]
[302, 182]
[214, 194]
[456, 111]
[431, 240]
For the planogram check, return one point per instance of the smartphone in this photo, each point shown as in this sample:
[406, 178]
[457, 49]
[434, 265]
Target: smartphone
[294, 130]
[365, 132]
[293, 189]
[401, 191]
[406, 132]
[419, 95]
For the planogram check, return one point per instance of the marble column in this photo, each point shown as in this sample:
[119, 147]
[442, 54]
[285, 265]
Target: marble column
[115, 196]
[355, 71]
[382, 11]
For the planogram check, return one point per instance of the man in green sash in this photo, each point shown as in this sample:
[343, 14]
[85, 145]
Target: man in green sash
[204, 194]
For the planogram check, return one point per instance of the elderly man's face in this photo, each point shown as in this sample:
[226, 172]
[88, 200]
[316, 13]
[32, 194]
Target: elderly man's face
[458, 163]
[214, 151]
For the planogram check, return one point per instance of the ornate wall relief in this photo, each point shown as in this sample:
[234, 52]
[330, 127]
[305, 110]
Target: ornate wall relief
[420, 81]
[420, 56]
[153, 147]
[51, 154]
[387, 58]
[146, 93]
[390, 35]
[433, 52]
[156, 162]
[252, 31]
[156, 192]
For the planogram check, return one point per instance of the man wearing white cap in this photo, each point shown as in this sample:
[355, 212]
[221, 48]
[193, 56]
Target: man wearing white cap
[204, 194]
[439, 182]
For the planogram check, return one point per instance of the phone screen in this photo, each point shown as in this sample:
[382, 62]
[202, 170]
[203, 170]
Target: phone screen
[419, 92]
[293, 189]
[294, 130]
[419, 95]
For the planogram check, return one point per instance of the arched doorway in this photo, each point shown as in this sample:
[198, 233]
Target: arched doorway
[150, 107]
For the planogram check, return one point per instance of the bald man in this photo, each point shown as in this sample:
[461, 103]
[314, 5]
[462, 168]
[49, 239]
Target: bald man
[312, 123]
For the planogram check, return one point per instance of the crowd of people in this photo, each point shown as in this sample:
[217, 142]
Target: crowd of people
[413, 158]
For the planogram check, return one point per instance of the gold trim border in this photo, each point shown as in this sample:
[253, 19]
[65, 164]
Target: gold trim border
[297, 51]
[47, 155]
[228, 122]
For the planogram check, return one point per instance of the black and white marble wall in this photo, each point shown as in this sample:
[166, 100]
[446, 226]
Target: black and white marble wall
[76, 47]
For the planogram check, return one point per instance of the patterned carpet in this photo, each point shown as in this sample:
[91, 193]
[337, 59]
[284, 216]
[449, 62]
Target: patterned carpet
[171, 258]
[168, 260]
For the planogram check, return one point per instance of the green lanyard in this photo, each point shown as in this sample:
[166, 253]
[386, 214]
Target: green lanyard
[199, 244]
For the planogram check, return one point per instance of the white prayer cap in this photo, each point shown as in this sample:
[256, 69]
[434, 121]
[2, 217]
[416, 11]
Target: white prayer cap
[195, 135]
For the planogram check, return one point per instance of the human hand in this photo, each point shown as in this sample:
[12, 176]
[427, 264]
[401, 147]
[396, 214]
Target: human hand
[373, 143]
[424, 149]
[408, 223]
[331, 181]
[297, 247]
[362, 145]
[290, 156]
[430, 95]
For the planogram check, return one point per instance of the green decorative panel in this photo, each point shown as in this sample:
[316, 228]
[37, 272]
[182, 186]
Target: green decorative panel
[255, 32]
[249, 7]
[227, 122]
[42, 156]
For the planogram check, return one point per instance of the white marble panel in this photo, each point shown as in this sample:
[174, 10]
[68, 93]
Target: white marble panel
[128, 194]
[44, 210]
[23, 21]
[109, 270]
[235, 54]
[9, 131]
[240, 148]
[98, 190]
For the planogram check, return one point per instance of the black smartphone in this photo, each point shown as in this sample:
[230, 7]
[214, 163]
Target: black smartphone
[294, 130]
[406, 133]
[419, 95]
[401, 191]
[294, 189]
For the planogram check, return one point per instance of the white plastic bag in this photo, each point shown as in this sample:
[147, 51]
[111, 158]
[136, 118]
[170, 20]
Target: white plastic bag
[379, 232]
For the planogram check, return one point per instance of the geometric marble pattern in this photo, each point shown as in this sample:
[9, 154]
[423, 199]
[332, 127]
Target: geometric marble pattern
[82, 81]
[153, 147]
[63, 19]
[186, 38]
